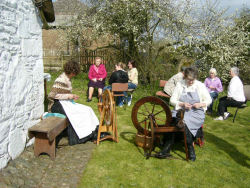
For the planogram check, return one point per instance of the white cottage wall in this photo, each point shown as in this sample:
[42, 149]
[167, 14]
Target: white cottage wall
[21, 75]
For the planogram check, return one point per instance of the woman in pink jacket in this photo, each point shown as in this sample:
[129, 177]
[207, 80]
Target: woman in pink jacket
[97, 75]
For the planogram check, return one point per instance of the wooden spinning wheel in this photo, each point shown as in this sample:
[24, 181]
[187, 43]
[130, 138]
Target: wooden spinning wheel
[148, 113]
[150, 108]
[151, 116]
[108, 117]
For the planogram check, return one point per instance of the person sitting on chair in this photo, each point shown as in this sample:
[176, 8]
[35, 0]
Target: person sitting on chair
[118, 76]
[97, 75]
[214, 86]
[171, 83]
[132, 78]
[192, 96]
[83, 123]
[235, 95]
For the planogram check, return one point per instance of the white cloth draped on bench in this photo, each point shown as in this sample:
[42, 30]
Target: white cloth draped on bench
[81, 117]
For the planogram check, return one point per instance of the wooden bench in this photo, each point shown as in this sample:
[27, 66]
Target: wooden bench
[162, 93]
[45, 133]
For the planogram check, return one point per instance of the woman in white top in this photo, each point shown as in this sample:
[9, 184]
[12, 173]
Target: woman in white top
[132, 75]
[192, 96]
[235, 95]
[133, 78]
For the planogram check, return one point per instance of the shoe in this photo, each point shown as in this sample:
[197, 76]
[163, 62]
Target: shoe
[129, 101]
[120, 104]
[161, 155]
[220, 118]
[103, 134]
[88, 100]
[226, 115]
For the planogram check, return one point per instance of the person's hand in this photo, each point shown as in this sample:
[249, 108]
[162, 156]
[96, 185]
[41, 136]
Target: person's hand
[94, 79]
[186, 105]
[211, 87]
[198, 105]
[74, 97]
[100, 79]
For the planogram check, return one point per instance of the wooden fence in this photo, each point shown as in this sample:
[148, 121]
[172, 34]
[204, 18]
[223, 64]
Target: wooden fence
[85, 57]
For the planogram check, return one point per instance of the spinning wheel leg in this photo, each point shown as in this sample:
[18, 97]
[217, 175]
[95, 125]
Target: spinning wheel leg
[185, 142]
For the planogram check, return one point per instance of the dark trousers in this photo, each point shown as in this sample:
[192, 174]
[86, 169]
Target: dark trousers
[72, 136]
[225, 102]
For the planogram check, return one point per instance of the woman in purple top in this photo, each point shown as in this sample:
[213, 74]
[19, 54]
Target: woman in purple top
[214, 86]
[97, 75]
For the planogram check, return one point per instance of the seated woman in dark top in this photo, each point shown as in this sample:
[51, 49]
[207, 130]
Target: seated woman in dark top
[118, 76]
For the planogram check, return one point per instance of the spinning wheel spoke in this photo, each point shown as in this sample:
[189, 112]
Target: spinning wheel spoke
[153, 108]
[143, 120]
[142, 113]
[158, 112]
[146, 108]
[162, 120]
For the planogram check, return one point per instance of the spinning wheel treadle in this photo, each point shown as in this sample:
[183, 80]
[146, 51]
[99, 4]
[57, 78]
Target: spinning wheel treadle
[108, 117]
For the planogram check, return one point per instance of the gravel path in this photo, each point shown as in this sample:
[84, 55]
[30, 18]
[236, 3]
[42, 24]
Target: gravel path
[29, 171]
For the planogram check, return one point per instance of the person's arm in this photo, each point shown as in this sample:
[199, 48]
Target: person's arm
[125, 77]
[234, 86]
[205, 98]
[206, 83]
[66, 96]
[132, 75]
[91, 72]
[103, 72]
[219, 87]
[112, 78]
[174, 100]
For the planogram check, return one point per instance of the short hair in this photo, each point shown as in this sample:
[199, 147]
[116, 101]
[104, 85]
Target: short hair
[121, 64]
[98, 58]
[183, 69]
[213, 70]
[190, 72]
[235, 70]
[132, 63]
[72, 67]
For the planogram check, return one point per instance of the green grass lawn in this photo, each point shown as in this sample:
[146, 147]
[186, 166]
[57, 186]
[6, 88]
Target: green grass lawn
[224, 161]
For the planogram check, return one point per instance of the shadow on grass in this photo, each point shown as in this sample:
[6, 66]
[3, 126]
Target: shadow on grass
[130, 137]
[178, 145]
[229, 149]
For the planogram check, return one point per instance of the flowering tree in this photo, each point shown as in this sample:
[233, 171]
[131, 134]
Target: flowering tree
[147, 29]
[139, 24]
[224, 47]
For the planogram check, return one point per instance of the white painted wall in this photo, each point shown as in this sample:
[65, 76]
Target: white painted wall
[21, 75]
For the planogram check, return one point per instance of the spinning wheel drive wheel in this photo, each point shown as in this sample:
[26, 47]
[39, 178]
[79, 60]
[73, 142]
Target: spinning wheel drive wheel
[107, 113]
[147, 114]
[107, 119]
[150, 108]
